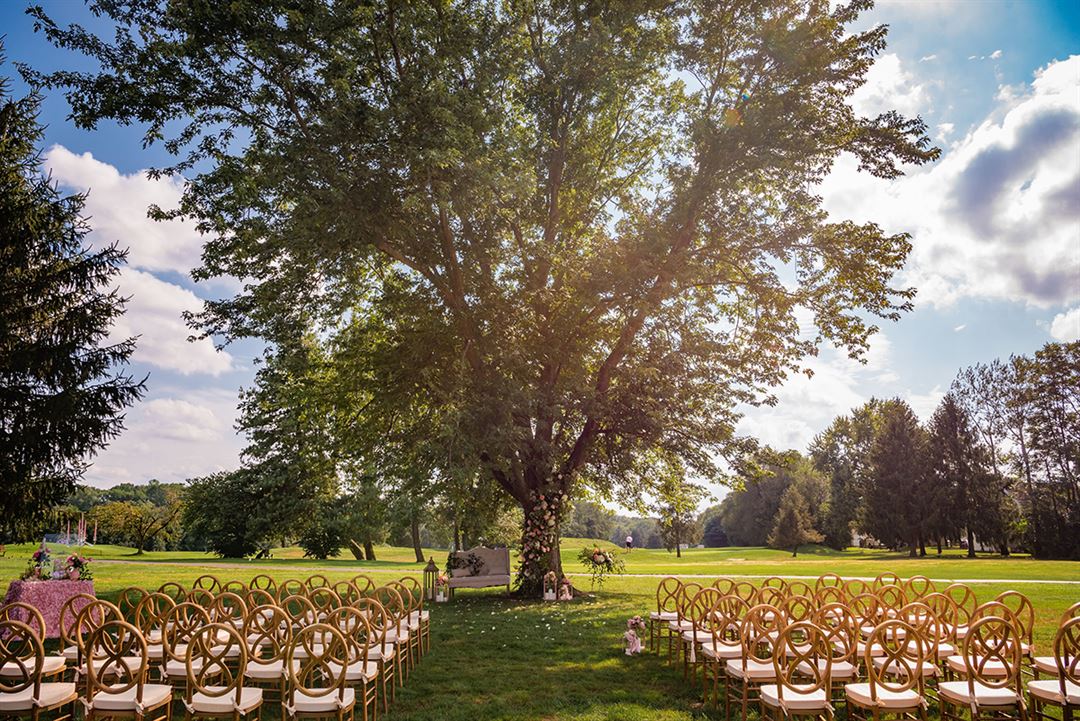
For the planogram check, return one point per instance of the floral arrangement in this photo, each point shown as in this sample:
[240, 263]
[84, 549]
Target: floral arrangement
[566, 590]
[636, 624]
[78, 568]
[442, 581]
[473, 562]
[600, 563]
[40, 565]
[539, 535]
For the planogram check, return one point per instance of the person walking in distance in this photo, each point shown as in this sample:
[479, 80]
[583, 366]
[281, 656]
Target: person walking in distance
[629, 543]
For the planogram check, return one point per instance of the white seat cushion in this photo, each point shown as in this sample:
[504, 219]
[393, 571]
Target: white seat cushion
[250, 698]
[358, 671]
[377, 653]
[697, 636]
[680, 626]
[726, 651]
[178, 669]
[1050, 691]
[995, 668]
[752, 670]
[958, 693]
[422, 616]
[1046, 665]
[480, 581]
[50, 695]
[49, 665]
[153, 695]
[132, 663]
[796, 698]
[663, 615]
[330, 703]
[71, 654]
[859, 694]
[840, 670]
[267, 670]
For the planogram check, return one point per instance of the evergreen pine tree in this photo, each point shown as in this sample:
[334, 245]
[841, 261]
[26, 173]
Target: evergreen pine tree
[794, 524]
[62, 386]
[892, 511]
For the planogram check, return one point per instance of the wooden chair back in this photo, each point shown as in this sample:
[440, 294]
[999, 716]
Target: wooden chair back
[128, 601]
[181, 623]
[93, 615]
[150, 614]
[228, 608]
[841, 630]
[290, 587]
[1067, 655]
[21, 658]
[667, 595]
[215, 661]
[268, 633]
[19, 611]
[317, 580]
[364, 584]
[116, 660]
[899, 667]
[314, 663]
[802, 660]
[759, 627]
[173, 590]
[207, 582]
[300, 610]
[1022, 611]
[992, 654]
[263, 582]
[919, 586]
[259, 597]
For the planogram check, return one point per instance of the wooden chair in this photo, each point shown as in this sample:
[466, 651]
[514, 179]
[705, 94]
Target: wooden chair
[418, 613]
[992, 643]
[956, 666]
[841, 630]
[235, 586]
[919, 586]
[966, 603]
[201, 597]
[24, 612]
[117, 669]
[207, 582]
[947, 614]
[856, 586]
[379, 650]
[411, 620]
[361, 672]
[180, 624]
[1062, 692]
[216, 666]
[666, 609]
[347, 592]
[23, 694]
[799, 588]
[802, 666]
[128, 601]
[726, 643]
[263, 582]
[316, 580]
[682, 621]
[268, 634]
[774, 582]
[894, 687]
[314, 689]
[724, 585]
[1047, 665]
[300, 610]
[174, 591]
[364, 584]
[150, 620]
[828, 580]
[892, 597]
[827, 595]
[702, 621]
[925, 628]
[888, 578]
[255, 597]
[90, 619]
[397, 635]
[1024, 613]
[290, 587]
[754, 668]
[228, 608]
[68, 622]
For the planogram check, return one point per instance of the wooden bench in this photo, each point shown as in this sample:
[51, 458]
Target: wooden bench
[493, 571]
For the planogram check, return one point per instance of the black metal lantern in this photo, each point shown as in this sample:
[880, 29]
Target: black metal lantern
[431, 573]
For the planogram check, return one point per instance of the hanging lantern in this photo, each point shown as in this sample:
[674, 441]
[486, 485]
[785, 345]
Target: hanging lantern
[431, 573]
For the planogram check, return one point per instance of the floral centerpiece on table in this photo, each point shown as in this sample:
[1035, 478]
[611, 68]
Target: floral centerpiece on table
[600, 562]
[78, 568]
[40, 565]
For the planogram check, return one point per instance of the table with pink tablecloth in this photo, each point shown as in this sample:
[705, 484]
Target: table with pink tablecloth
[48, 597]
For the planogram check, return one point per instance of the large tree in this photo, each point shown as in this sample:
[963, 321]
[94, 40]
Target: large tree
[892, 510]
[595, 221]
[63, 389]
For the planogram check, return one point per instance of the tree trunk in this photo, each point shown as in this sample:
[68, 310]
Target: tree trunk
[971, 543]
[457, 533]
[414, 528]
[678, 546]
[922, 547]
[369, 550]
[913, 546]
[540, 541]
[356, 550]
[939, 545]
[795, 551]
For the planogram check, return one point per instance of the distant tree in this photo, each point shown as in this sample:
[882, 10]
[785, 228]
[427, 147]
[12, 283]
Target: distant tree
[962, 495]
[842, 453]
[897, 474]
[589, 520]
[139, 524]
[748, 513]
[712, 528]
[794, 524]
[676, 505]
[322, 538]
[219, 509]
[63, 389]
[363, 513]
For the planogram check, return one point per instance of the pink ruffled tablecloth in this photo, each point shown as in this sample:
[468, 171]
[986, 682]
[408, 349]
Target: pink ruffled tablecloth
[48, 597]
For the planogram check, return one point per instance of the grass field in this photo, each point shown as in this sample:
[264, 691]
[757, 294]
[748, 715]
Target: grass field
[501, 659]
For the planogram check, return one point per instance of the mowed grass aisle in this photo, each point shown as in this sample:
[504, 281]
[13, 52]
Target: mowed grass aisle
[500, 659]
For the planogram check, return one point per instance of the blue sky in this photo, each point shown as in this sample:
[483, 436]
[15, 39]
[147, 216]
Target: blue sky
[996, 224]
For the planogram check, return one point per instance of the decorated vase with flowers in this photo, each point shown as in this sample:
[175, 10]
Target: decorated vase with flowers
[442, 588]
[551, 586]
[635, 626]
[566, 589]
[78, 568]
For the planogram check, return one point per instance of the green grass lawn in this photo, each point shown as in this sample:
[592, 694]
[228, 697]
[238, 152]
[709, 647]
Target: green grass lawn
[502, 659]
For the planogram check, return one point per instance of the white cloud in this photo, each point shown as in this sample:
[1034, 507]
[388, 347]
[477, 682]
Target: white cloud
[1066, 325]
[959, 328]
[944, 130]
[890, 87]
[924, 404]
[927, 58]
[181, 434]
[997, 217]
[117, 205]
[806, 405]
[995, 55]
[154, 313]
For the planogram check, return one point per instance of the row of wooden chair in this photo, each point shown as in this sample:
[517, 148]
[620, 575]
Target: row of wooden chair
[218, 651]
[731, 632]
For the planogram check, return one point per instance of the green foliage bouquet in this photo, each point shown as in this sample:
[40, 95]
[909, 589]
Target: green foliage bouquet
[600, 563]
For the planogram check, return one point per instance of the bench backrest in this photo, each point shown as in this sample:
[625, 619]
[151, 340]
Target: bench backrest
[496, 562]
